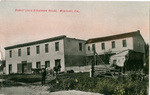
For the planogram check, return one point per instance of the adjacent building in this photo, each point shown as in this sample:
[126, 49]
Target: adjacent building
[50, 52]
[115, 44]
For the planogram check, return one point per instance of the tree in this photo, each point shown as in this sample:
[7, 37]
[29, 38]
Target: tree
[146, 67]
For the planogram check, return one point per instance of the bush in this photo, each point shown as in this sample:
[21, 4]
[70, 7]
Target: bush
[107, 86]
[70, 71]
[26, 78]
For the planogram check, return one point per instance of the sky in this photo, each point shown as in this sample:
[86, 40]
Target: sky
[89, 19]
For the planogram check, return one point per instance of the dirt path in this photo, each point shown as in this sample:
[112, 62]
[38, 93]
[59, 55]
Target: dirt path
[37, 89]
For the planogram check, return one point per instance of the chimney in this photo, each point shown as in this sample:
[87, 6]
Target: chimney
[138, 31]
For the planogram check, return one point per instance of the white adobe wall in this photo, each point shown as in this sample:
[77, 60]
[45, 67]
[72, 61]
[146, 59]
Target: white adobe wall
[33, 57]
[108, 46]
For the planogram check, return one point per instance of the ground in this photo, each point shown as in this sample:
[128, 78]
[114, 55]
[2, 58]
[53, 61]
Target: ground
[9, 87]
[37, 89]
[74, 84]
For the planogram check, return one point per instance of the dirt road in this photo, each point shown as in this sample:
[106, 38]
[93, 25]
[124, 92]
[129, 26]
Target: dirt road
[39, 90]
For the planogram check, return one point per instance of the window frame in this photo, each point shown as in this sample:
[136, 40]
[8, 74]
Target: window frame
[10, 53]
[38, 49]
[19, 52]
[113, 44]
[93, 47]
[103, 46]
[56, 46]
[28, 50]
[80, 46]
[46, 48]
[124, 43]
[46, 64]
[38, 65]
[89, 48]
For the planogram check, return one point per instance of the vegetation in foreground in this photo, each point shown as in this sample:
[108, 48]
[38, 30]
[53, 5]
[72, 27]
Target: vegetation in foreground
[130, 85]
[27, 78]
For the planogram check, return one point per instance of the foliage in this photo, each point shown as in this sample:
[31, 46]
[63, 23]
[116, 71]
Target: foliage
[107, 86]
[57, 68]
[26, 78]
[146, 67]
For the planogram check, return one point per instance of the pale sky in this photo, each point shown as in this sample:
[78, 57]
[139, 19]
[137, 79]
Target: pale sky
[95, 19]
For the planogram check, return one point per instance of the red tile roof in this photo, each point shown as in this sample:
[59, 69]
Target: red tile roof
[113, 37]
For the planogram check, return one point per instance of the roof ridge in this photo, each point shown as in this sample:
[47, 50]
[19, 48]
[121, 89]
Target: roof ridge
[112, 37]
[36, 42]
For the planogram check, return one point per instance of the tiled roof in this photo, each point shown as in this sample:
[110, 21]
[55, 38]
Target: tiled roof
[113, 37]
[36, 42]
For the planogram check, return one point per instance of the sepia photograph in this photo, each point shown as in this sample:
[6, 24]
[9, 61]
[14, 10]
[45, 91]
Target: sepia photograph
[74, 47]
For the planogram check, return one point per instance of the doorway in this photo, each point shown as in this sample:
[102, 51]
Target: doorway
[24, 68]
[10, 68]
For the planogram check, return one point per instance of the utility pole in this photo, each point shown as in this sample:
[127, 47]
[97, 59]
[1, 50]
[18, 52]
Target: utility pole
[93, 63]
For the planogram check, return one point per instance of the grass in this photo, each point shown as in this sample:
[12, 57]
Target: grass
[28, 78]
[130, 85]
[107, 86]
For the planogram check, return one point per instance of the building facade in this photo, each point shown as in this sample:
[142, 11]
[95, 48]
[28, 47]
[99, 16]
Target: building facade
[50, 52]
[110, 45]
[116, 43]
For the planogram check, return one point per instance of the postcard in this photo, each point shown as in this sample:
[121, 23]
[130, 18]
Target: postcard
[74, 47]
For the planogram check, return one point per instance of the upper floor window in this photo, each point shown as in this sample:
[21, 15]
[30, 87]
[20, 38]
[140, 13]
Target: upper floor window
[28, 50]
[10, 53]
[19, 52]
[113, 44]
[88, 48]
[37, 49]
[56, 46]
[124, 43]
[80, 46]
[46, 48]
[93, 47]
[103, 46]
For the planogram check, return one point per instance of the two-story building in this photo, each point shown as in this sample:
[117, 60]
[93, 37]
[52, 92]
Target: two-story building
[49, 52]
[111, 45]
[72, 53]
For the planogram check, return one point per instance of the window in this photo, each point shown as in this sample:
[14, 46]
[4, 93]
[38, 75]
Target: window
[28, 50]
[38, 64]
[57, 62]
[80, 46]
[124, 43]
[10, 53]
[113, 44]
[93, 47]
[19, 52]
[103, 46]
[47, 64]
[114, 61]
[56, 46]
[10, 68]
[88, 48]
[37, 49]
[46, 48]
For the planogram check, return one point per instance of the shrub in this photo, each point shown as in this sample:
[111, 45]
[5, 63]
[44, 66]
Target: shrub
[26, 78]
[107, 86]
